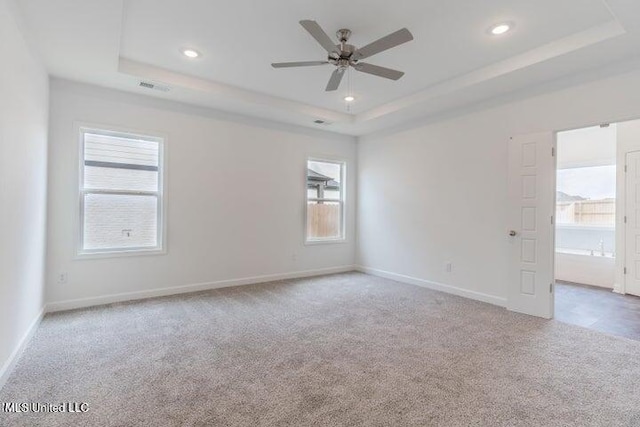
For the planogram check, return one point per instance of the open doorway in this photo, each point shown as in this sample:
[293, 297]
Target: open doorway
[595, 238]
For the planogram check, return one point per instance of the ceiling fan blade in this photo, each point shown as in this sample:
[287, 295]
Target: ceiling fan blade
[321, 37]
[336, 78]
[377, 70]
[387, 42]
[298, 64]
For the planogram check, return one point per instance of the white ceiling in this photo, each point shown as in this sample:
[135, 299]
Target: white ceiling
[451, 63]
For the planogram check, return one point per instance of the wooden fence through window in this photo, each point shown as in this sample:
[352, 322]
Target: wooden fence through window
[596, 212]
[323, 220]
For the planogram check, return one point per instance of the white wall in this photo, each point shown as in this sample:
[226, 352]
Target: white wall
[236, 194]
[438, 193]
[23, 169]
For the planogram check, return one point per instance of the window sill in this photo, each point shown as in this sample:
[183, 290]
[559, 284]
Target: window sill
[584, 253]
[119, 253]
[325, 241]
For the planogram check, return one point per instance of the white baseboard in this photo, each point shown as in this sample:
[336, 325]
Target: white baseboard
[129, 296]
[478, 296]
[10, 364]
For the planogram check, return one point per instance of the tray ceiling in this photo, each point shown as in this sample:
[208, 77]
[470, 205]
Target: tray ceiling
[452, 58]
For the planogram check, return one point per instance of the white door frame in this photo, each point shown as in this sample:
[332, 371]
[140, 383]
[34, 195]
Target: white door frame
[629, 268]
[620, 280]
[620, 284]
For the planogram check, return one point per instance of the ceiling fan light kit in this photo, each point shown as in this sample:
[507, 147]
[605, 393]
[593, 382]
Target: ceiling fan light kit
[344, 55]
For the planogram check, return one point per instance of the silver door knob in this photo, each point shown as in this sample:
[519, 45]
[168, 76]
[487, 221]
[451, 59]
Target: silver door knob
[513, 233]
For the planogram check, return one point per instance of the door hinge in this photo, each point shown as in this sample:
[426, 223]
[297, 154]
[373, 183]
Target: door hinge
[625, 219]
[550, 288]
[625, 168]
[624, 270]
[551, 219]
[553, 151]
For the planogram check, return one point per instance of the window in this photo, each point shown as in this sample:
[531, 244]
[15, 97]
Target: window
[586, 210]
[325, 201]
[120, 192]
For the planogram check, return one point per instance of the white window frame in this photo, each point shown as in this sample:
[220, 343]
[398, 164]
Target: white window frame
[159, 194]
[342, 201]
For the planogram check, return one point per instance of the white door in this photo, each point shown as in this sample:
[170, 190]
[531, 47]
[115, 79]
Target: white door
[531, 235]
[632, 228]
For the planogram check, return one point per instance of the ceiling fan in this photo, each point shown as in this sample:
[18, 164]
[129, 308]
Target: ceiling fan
[344, 55]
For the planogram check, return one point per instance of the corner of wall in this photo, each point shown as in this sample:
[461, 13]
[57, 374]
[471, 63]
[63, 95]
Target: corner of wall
[12, 361]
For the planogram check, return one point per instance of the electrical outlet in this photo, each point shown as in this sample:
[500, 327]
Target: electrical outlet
[62, 278]
[448, 267]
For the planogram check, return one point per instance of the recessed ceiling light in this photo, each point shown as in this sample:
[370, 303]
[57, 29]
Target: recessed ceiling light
[190, 53]
[349, 98]
[499, 29]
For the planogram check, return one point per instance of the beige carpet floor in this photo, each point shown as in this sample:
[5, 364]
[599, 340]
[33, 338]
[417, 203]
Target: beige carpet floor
[340, 350]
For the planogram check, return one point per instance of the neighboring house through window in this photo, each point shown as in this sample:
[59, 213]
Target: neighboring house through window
[121, 202]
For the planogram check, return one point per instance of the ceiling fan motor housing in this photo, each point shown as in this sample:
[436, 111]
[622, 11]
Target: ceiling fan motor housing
[342, 58]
